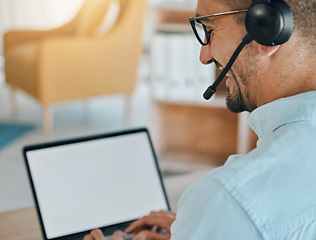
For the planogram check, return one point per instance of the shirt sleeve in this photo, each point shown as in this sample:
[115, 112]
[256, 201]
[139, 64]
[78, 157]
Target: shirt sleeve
[207, 211]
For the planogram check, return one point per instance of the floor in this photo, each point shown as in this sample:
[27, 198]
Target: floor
[80, 118]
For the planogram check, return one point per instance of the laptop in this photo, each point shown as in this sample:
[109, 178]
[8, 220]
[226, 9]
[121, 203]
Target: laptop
[105, 181]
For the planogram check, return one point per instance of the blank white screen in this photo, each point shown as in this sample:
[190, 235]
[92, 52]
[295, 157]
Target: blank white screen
[92, 184]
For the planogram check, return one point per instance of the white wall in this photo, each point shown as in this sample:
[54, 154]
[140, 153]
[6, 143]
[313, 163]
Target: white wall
[26, 14]
[35, 14]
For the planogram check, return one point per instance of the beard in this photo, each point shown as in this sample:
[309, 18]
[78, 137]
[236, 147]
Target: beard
[235, 102]
[245, 69]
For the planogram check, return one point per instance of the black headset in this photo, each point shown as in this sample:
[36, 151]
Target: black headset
[269, 23]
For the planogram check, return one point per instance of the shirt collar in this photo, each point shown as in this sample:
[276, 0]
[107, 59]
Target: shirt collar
[269, 117]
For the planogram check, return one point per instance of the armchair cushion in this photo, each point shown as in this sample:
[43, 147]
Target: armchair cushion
[93, 15]
[110, 18]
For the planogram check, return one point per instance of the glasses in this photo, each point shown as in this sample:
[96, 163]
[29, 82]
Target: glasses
[200, 30]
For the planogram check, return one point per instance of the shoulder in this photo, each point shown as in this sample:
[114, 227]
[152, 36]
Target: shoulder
[211, 212]
[252, 192]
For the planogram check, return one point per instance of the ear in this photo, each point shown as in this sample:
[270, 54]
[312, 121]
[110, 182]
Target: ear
[267, 50]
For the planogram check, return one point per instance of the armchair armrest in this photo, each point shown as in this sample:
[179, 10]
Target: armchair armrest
[14, 37]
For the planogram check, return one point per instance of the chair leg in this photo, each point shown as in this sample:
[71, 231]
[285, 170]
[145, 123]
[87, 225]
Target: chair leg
[47, 119]
[128, 109]
[14, 105]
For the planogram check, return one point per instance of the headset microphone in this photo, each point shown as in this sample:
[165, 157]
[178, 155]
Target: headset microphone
[269, 23]
[212, 89]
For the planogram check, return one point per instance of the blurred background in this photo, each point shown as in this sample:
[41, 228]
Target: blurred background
[84, 67]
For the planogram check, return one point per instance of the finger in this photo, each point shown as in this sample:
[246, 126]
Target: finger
[159, 213]
[97, 234]
[147, 222]
[88, 237]
[150, 235]
[134, 226]
[118, 235]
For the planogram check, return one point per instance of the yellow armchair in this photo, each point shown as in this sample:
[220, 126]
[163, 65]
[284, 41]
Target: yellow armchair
[92, 55]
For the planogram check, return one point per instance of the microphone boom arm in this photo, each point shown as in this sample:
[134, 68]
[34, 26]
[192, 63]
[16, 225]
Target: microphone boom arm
[212, 89]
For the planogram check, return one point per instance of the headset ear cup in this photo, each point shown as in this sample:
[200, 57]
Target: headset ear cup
[270, 23]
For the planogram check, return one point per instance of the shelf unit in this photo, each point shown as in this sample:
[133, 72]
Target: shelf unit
[177, 76]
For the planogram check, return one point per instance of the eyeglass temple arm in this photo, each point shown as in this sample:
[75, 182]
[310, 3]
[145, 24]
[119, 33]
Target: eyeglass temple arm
[212, 89]
[219, 14]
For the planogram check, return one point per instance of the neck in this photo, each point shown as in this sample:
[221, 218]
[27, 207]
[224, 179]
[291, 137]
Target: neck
[287, 74]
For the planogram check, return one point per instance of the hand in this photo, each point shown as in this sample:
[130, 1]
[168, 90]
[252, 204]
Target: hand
[148, 227]
[97, 234]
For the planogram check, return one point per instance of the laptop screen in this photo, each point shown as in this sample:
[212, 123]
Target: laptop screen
[100, 182]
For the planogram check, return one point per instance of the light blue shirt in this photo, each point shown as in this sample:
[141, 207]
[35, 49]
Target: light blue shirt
[269, 193]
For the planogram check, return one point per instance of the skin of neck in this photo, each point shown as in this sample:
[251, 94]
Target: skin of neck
[284, 71]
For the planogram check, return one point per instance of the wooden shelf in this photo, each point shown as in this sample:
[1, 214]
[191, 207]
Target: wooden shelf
[192, 125]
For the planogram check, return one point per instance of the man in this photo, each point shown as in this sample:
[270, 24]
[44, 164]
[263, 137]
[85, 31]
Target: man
[270, 192]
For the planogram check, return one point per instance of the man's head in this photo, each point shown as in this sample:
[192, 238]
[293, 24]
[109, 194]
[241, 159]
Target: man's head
[260, 74]
[304, 12]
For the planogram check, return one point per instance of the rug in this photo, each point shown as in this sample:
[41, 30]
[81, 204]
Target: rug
[9, 132]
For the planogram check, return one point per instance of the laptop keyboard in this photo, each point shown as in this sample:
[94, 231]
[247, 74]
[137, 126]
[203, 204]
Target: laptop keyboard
[126, 237]
[110, 237]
